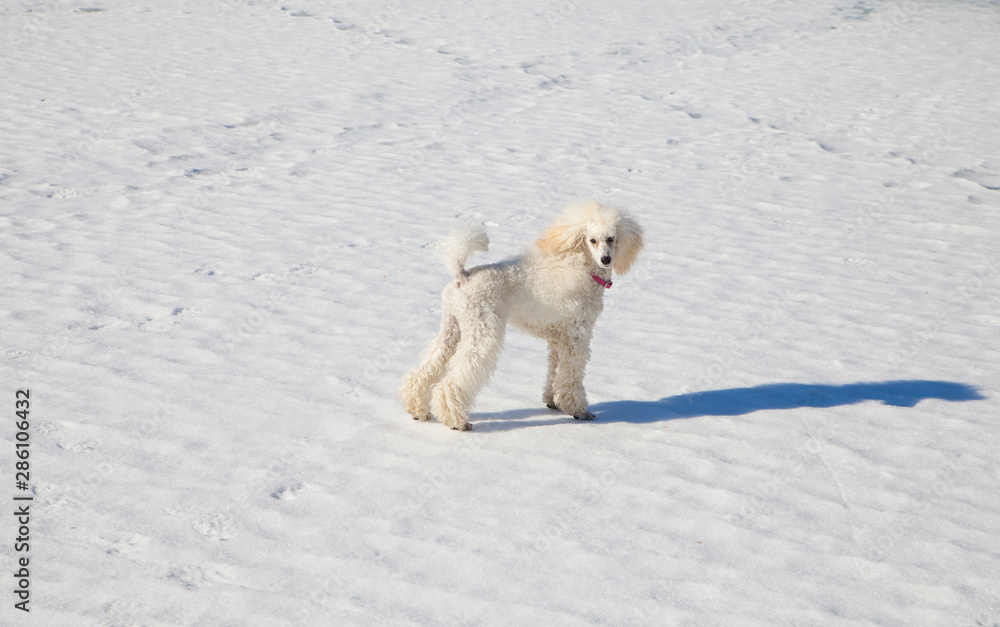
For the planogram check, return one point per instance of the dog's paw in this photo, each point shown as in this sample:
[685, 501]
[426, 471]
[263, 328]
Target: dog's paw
[584, 416]
[552, 405]
[423, 418]
[465, 427]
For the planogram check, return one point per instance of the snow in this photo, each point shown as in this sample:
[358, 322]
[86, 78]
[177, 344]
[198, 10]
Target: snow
[217, 223]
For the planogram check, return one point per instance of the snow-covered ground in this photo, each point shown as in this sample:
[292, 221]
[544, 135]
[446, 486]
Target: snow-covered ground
[215, 265]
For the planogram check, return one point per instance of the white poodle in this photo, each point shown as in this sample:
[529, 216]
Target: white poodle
[554, 291]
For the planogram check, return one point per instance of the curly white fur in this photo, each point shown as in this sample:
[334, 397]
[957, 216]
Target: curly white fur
[549, 292]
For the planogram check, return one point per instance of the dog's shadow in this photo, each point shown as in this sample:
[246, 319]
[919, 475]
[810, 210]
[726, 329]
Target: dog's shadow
[741, 401]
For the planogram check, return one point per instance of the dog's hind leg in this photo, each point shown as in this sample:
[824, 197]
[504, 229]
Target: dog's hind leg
[470, 368]
[415, 392]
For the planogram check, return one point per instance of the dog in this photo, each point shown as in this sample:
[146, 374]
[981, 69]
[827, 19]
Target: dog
[554, 291]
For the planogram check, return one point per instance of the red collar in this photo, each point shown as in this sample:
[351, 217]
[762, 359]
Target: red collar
[605, 284]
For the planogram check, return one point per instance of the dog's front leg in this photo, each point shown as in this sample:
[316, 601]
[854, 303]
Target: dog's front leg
[570, 395]
[548, 396]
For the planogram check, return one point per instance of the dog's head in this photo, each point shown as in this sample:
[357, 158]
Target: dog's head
[610, 237]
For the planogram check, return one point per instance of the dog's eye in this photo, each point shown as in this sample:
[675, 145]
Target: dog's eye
[611, 239]
[593, 241]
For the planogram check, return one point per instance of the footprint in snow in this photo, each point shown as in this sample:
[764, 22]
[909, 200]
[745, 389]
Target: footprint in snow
[161, 324]
[130, 545]
[84, 445]
[214, 526]
[285, 493]
[193, 172]
[196, 577]
[293, 271]
[988, 178]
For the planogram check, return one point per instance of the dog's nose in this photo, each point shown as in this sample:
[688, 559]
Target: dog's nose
[606, 259]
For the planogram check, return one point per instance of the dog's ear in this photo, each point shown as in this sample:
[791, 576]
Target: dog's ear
[561, 237]
[628, 244]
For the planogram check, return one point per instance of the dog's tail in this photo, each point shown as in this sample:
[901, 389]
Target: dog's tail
[457, 247]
